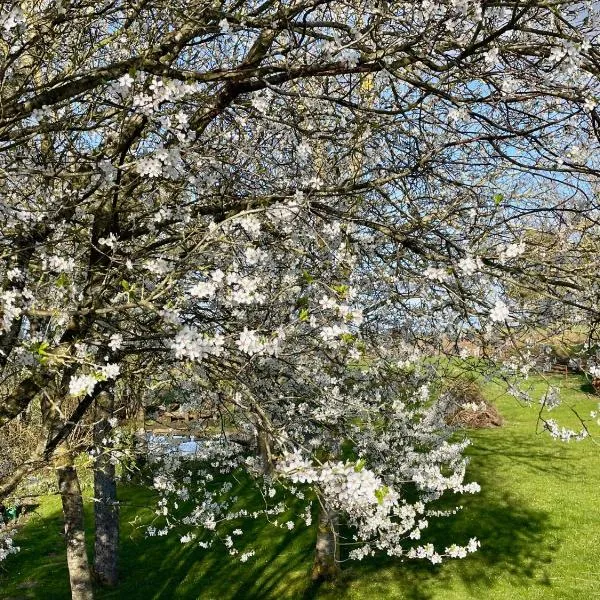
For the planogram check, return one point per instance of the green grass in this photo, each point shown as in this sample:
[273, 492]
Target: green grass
[538, 519]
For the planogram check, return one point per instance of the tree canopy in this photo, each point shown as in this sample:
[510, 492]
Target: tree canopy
[289, 207]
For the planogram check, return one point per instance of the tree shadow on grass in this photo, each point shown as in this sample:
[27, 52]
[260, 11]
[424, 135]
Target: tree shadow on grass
[532, 454]
[513, 545]
[165, 568]
[516, 544]
[516, 540]
[39, 570]
[588, 388]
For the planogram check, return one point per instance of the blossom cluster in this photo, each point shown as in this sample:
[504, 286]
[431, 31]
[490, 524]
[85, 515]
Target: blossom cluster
[194, 345]
[7, 546]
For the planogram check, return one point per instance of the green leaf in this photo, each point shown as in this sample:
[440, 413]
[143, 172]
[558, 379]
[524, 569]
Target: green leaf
[308, 278]
[341, 290]
[63, 280]
[360, 465]
[498, 199]
[381, 493]
[41, 348]
[304, 315]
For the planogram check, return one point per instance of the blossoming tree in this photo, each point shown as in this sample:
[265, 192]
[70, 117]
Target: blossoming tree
[264, 191]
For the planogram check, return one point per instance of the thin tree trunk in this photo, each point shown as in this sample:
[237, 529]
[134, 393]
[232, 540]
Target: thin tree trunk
[140, 439]
[327, 552]
[106, 507]
[72, 503]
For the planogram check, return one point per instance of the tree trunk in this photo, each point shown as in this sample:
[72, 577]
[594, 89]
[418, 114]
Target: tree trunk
[70, 494]
[72, 503]
[263, 445]
[327, 552]
[140, 439]
[106, 507]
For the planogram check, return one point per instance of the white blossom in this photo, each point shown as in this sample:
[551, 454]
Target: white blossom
[499, 312]
[246, 555]
[110, 371]
[116, 341]
[470, 265]
[191, 344]
[14, 18]
[82, 385]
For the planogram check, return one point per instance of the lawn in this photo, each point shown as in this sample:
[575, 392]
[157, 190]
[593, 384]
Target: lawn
[538, 519]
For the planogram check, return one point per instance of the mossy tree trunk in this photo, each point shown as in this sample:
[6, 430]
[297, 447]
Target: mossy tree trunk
[80, 577]
[265, 455]
[72, 504]
[326, 565]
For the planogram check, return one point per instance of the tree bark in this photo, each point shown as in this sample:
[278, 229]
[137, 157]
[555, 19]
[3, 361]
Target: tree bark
[265, 455]
[327, 552]
[106, 506]
[140, 439]
[72, 503]
[80, 576]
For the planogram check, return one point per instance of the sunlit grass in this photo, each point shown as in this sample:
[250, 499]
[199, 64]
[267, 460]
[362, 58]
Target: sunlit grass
[538, 518]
